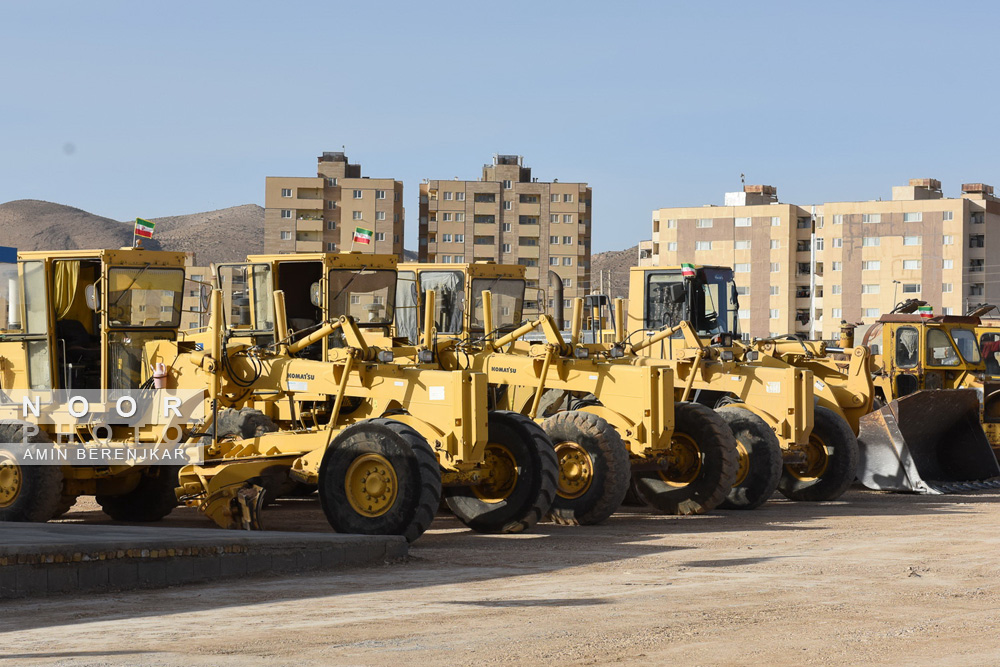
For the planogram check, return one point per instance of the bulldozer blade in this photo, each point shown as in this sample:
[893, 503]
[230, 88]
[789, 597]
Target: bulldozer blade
[928, 442]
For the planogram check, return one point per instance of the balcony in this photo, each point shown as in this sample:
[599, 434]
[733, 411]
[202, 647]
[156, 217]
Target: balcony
[484, 229]
[309, 225]
[528, 251]
[308, 246]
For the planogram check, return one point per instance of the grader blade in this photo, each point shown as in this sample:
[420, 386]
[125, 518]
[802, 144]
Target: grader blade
[929, 442]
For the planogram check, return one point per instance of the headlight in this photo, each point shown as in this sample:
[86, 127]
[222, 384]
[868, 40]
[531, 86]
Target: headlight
[385, 356]
[616, 352]
[425, 356]
[726, 355]
[581, 353]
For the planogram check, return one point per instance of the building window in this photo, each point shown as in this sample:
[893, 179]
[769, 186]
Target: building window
[911, 240]
[395, 238]
[947, 239]
[744, 313]
[871, 265]
[976, 289]
[978, 217]
[527, 241]
[505, 247]
[446, 217]
[286, 192]
[459, 217]
[568, 219]
[977, 240]
[775, 244]
[486, 198]
[332, 182]
[948, 215]
[838, 219]
[742, 222]
[286, 213]
[459, 196]
[331, 247]
[742, 245]
[554, 198]
[286, 236]
[505, 226]
[357, 194]
[671, 224]
[871, 241]
[871, 218]
[331, 225]
[446, 238]
[871, 312]
[508, 205]
[803, 223]
[703, 223]
[775, 290]
[567, 240]
[567, 261]
[447, 195]
[507, 185]
[553, 219]
[742, 268]
[485, 219]
[819, 243]
[947, 264]
[913, 217]
[976, 265]
[331, 204]
[567, 198]
[837, 266]
[380, 215]
[835, 289]
[775, 313]
[911, 264]
[445, 259]
[553, 261]
[838, 243]
[837, 313]
[947, 288]
[459, 238]
[742, 290]
[671, 246]
[775, 221]
[459, 259]
[355, 215]
[528, 199]
[380, 194]
[947, 311]
[702, 245]
[527, 219]
[871, 288]
[775, 267]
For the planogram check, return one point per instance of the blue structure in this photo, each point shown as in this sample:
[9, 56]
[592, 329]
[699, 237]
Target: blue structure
[8, 255]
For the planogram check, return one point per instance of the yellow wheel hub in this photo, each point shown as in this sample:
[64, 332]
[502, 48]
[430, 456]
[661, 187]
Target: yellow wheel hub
[685, 461]
[10, 482]
[371, 485]
[742, 463]
[501, 474]
[576, 470]
[817, 455]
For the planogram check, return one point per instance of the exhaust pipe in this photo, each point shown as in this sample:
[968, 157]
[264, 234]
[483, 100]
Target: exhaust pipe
[556, 283]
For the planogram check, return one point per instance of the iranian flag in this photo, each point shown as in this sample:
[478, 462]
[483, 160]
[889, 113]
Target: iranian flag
[687, 270]
[362, 235]
[144, 228]
[926, 311]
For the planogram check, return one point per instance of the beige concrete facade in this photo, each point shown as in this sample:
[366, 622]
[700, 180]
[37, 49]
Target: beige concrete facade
[320, 214]
[804, 269]
[511, 218]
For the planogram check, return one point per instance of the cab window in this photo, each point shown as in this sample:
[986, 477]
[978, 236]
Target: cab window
[965, 340]
[990, 345]
[940, 351]
[907, 347]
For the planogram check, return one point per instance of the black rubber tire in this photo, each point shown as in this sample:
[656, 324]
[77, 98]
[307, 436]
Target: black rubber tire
[609, 461]
[763, 452]
[65, 504]
[531, 497]
[153, 498]
[40, 493]
[418, 477]
[716, 473]
[841, 468]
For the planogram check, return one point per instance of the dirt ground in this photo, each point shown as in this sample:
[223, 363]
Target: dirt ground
[872, 578]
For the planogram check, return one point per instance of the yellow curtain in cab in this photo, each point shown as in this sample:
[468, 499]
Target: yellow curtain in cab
[67, 275]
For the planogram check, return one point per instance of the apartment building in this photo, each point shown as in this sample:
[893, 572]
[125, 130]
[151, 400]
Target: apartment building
[804, 269]
[320, 214]
[509, 217]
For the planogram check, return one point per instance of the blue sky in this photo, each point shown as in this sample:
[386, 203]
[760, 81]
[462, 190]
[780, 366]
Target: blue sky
[148, 109]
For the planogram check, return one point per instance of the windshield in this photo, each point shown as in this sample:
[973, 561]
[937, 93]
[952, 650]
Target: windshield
[940, 351]
[712, 306]
[145, 297]
[366, 295]
[247, 296]
[508, 302]
[449, 299]
[965, 341]
[407, 306]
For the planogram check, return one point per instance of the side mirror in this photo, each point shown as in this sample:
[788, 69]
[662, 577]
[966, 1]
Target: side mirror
[93, 297]
[314, 295]
[677, 292]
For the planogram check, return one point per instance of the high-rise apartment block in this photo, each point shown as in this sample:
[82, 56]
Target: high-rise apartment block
[804, 269]
[319, 214]
[510, 218]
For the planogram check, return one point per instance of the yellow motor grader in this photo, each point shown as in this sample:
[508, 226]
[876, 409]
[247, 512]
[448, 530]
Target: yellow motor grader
[75, 323]
[301, 395]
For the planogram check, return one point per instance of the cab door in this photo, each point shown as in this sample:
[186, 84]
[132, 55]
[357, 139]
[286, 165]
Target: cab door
[248, 301]
[26, 345]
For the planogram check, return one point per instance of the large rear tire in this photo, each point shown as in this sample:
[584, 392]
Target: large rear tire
[703, 467]
[380, 477]
[153, 498]
[759, 452]
[832, 461]
[594, 469]
[522, 480]
[27, 493]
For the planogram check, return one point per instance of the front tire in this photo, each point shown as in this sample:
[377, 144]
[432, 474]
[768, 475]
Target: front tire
[380, 477]
[759, 467]
[832, 461]
[594, 469]
[703, 466]
[27, 493]
[153, 498]
[522, 481]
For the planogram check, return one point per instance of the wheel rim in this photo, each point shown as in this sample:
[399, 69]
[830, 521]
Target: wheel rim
[817, 454]
[576, 470]
[501, 474]
[685, 461]
[371, 485]
[10, 482]
[742, 463]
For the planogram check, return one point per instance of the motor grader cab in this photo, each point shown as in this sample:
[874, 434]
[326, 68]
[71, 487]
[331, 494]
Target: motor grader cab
[607, 417]
[989, 346]
[79, 320]
[785, 442]
[378, 439]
